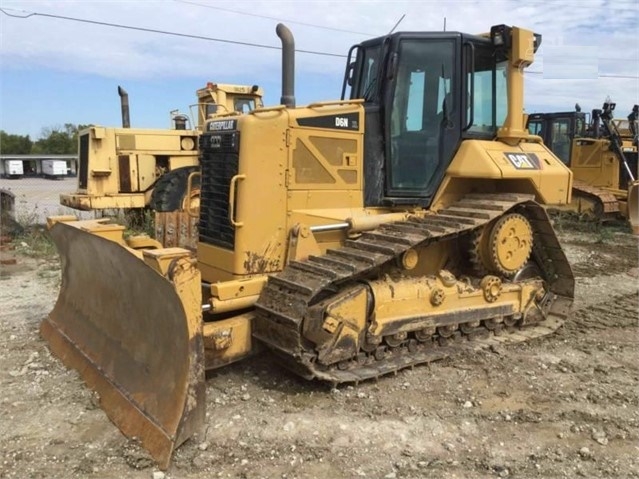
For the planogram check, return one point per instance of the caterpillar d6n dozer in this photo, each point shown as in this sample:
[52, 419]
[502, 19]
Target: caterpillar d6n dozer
[352, 238]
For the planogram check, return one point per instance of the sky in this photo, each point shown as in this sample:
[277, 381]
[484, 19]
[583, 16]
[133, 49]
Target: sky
[66, 70]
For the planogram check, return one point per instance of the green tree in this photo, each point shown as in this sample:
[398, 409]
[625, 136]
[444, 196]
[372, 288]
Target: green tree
[58, 140]
[14, 144]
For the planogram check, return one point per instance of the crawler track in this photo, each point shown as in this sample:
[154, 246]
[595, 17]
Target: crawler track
[285, 301]
[606, 204]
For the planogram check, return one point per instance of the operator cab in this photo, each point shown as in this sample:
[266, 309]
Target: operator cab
[557, 130]
[424, 93]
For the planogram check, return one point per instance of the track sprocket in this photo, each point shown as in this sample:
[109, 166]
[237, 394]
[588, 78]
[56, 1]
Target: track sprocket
[503, 247]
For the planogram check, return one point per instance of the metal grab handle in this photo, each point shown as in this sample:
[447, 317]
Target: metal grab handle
[354, 101]
[191, 211]
[234, 180]
[471, 118]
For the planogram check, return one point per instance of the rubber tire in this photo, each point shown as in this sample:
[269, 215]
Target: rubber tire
[170, 189]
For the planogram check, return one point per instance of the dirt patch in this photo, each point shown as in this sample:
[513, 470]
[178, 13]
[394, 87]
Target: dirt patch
[561, 406]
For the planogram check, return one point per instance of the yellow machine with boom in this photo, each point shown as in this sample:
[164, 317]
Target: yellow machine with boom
[602, 154]
[352, 238]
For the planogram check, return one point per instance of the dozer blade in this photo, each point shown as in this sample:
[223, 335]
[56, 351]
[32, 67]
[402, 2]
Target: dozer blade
[633, 207]
[133, 334]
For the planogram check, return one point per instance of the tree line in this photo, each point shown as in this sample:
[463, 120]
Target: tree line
[57, 140]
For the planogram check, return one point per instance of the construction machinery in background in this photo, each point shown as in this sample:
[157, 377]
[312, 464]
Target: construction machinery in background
[602, 154]
[628, 130]
[395, 226]
[132, 169]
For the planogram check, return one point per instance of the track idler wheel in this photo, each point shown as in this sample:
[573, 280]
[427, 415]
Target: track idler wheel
[469, 328]
[396, 339]
[512, 320]
[425, 334]
[492, 324]
[371, 343]
[447, 331]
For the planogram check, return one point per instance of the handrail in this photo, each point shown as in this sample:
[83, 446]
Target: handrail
[192, 212]
[354, 101]
[234, 180]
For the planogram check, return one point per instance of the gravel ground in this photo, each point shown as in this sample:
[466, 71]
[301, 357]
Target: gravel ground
[561, 406]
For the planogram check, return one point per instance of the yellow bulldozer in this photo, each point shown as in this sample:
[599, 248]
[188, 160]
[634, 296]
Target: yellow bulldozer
[602, 154]
[351, 238]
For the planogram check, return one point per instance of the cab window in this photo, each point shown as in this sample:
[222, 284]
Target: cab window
[488, 89]
[423, 107]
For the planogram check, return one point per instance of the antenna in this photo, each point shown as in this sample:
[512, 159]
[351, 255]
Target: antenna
[444, 23]
[398, 22]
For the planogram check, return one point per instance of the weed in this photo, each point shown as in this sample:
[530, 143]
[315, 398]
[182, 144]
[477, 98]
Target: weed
[29, 237]
[135, 221]
[568, 220]
[604, 235]
[606, 230]
[140, 222]
[35, 241]
[27, 219]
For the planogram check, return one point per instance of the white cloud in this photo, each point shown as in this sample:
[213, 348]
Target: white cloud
[71, 47]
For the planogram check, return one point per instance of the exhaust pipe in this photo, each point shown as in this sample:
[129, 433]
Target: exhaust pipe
[288, 65]
[124, 102]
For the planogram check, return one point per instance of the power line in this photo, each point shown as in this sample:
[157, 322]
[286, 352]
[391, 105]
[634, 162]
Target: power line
[162, 32]
[619, 76]
[295, 22]
[200, 37]
[603, 75]
[617, 5]
[540, 56]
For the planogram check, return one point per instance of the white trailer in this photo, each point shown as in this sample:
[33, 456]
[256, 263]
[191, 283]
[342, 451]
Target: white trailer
[13, 169]
[54, 169]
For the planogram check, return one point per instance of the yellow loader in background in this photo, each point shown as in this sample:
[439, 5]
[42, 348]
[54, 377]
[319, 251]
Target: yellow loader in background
[136, 168]
[395, 226]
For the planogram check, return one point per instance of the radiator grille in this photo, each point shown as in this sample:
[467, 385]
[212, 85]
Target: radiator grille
[219, 159]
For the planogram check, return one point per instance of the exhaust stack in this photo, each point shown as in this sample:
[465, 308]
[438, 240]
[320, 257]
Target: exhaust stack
[288, 65]
[124, 102]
